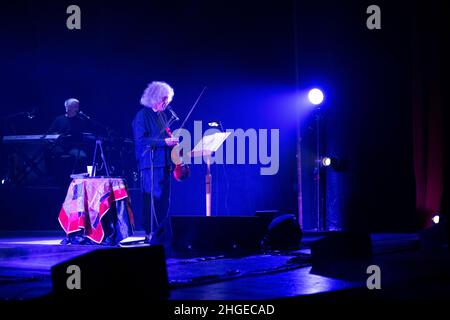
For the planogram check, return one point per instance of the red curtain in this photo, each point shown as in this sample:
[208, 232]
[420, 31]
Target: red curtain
[428, 110]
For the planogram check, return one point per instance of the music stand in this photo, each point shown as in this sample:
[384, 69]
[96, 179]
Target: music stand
[205, 148]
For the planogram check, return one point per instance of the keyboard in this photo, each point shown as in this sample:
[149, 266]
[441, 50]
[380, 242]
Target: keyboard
[33, 138]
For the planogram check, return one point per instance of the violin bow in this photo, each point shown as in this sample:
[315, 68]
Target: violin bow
[190, 111]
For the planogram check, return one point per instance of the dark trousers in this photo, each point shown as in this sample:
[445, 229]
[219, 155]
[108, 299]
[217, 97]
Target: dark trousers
[62, 163]
[161, 197]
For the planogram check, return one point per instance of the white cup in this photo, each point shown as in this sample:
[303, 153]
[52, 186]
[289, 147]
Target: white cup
[89, 170]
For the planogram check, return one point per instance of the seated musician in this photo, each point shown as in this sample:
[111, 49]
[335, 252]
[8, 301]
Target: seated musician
[71, 122]
[70, 155]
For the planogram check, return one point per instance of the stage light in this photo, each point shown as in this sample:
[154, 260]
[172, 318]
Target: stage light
[326, 161]
[214, 123]
[315, 96]
[435, 219]
[331, 162]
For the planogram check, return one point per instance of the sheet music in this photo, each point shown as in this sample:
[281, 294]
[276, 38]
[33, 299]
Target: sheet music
[210, 143]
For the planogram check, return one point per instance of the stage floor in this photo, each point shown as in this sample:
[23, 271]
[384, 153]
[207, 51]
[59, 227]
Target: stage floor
[407, 271]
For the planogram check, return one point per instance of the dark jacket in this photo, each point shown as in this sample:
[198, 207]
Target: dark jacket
[149, 134]
[75, 125]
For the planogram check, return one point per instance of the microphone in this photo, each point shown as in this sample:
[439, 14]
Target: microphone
[173, 113]
[84, 115]
[32, 114]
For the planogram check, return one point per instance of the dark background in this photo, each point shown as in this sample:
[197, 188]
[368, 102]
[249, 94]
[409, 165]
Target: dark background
[256, 58]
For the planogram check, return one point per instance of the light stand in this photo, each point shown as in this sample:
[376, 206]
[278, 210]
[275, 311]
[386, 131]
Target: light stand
[316, 97]
[318, 178]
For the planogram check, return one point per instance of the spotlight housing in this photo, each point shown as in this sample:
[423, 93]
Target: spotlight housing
[326, 161]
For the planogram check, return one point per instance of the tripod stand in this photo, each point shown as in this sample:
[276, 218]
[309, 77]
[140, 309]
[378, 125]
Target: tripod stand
[98, 145]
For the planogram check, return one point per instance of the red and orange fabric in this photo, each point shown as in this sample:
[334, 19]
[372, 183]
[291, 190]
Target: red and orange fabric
[88, 201]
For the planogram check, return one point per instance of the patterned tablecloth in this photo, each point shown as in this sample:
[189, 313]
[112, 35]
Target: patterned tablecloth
[98, 207]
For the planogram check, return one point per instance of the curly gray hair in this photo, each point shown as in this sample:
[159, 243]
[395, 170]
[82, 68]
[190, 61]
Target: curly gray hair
[155, 92]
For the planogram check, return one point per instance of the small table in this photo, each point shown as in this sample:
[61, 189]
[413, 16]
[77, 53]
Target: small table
[98, 209]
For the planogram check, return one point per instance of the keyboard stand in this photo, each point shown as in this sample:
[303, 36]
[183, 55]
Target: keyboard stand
[31, 162]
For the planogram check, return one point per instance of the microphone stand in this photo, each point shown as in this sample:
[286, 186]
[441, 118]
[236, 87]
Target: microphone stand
[6, 120]
[98, 124]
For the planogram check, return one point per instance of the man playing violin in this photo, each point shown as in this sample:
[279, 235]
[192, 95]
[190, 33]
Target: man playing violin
[153, 144]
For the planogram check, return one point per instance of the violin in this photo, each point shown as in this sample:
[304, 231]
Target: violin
[182, 170]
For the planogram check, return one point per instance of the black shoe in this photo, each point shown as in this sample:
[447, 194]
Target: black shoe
[109, 242]
[65, 241]
[77, 240]
[88, 241]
